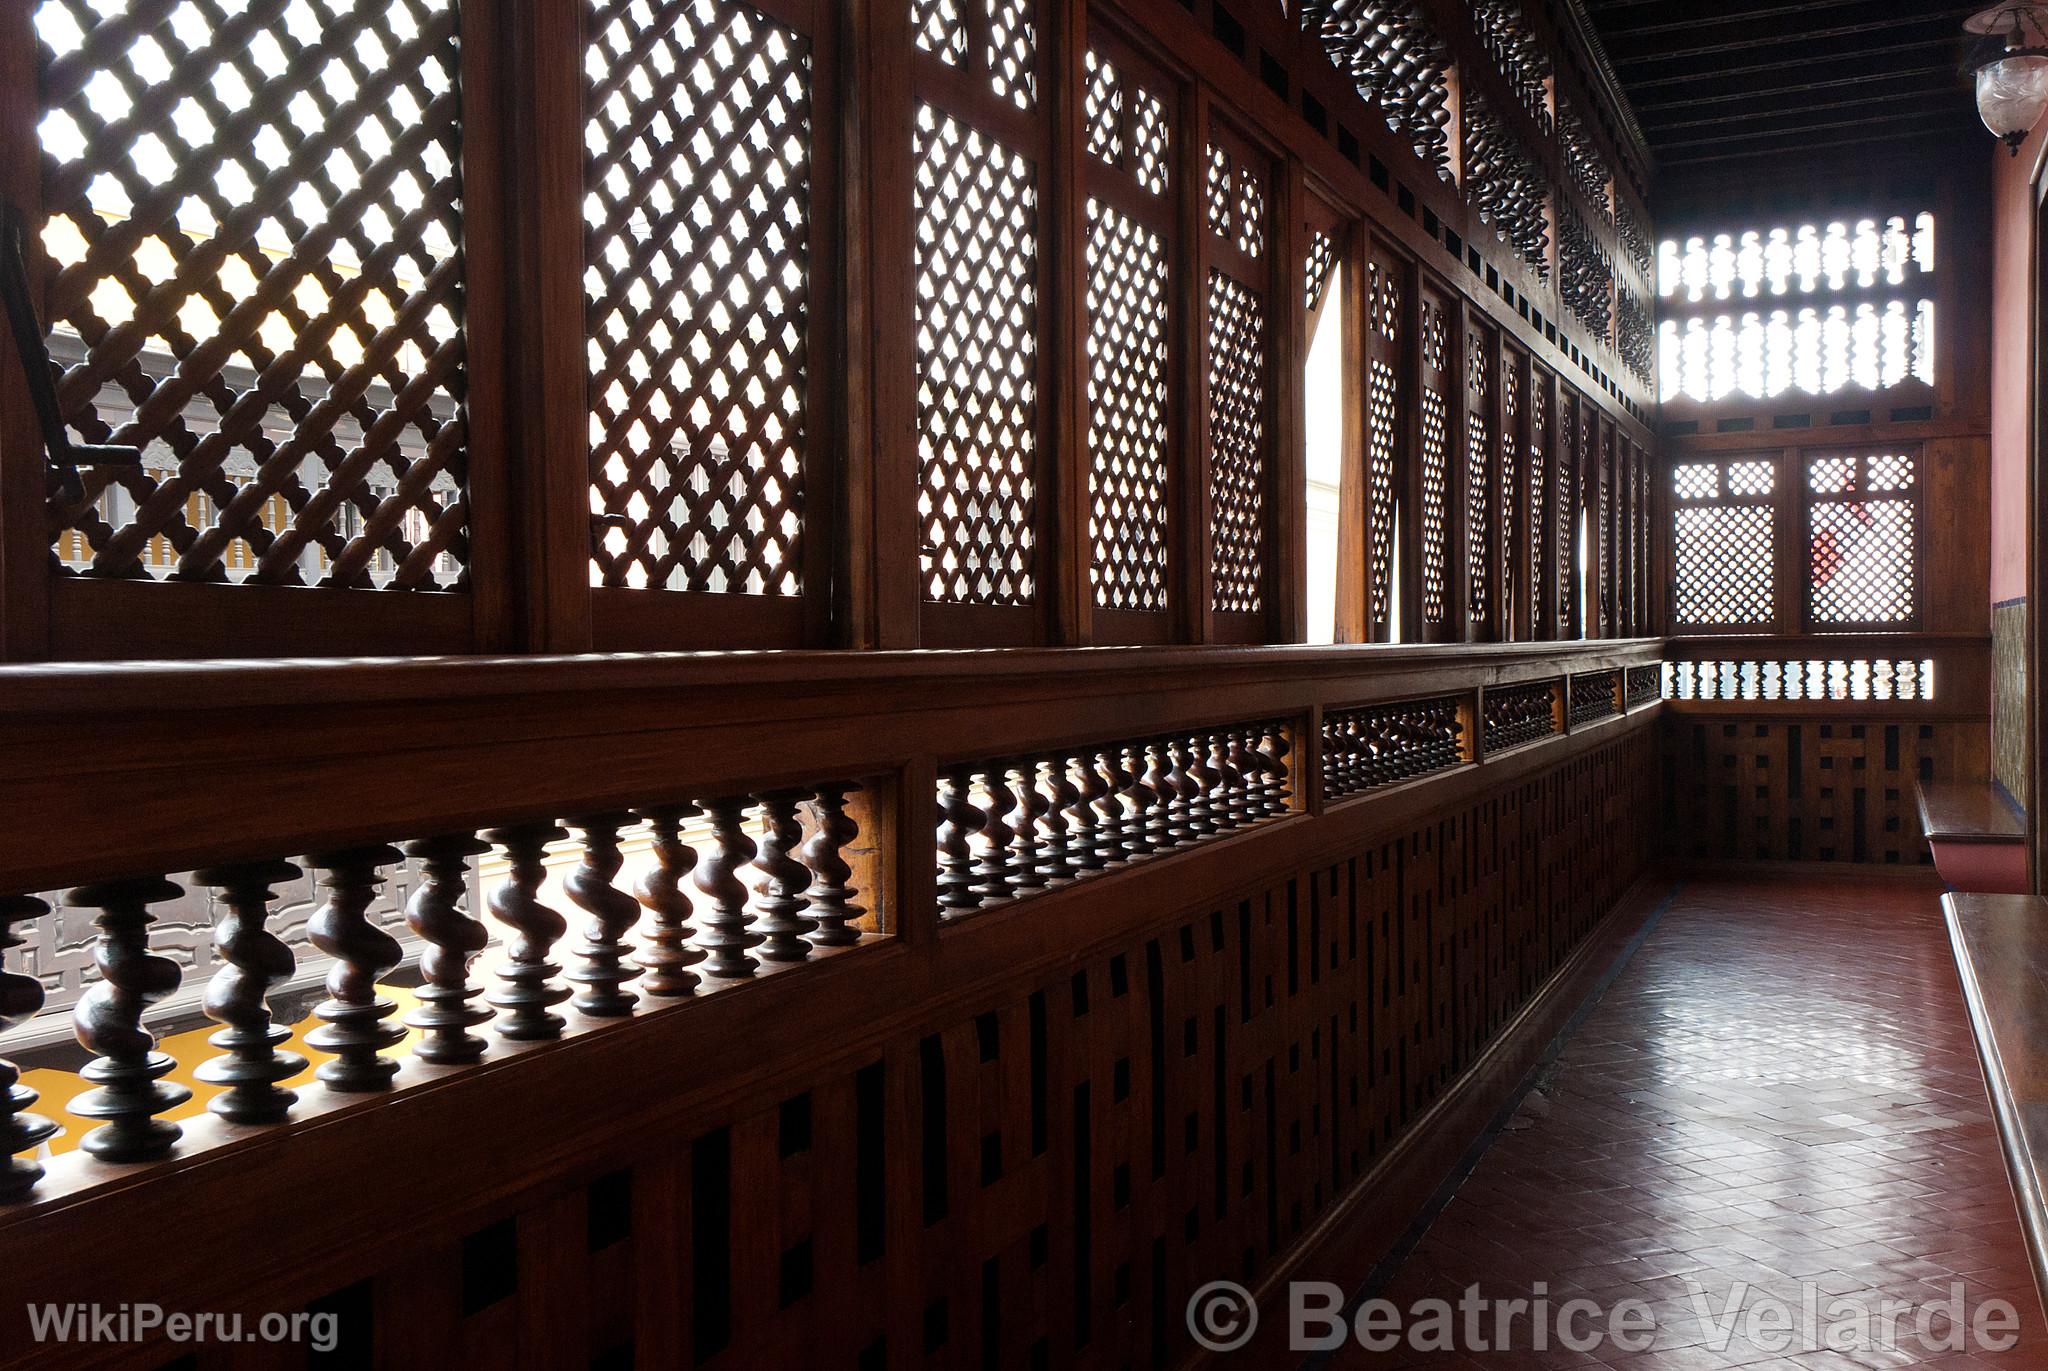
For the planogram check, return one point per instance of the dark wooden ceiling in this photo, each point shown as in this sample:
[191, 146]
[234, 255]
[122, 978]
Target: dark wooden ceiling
[1721, 86]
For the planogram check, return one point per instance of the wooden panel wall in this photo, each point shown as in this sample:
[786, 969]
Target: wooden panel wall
[1808, 788]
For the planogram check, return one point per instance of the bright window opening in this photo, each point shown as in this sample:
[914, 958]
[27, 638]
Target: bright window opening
[1323, 392]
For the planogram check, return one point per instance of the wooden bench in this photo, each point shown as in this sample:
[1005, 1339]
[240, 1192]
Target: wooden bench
[2001, 947]
[1979, 841]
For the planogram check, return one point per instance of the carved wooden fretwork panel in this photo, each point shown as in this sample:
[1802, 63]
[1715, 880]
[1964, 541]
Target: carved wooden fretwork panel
[697, 291]
[254, 227]
[1127, 400]
[1724, 543]
[1237, 442]
[1396, 61]
[1377, 745]
[1506, 184]
[1585, 273]
[1516, 714]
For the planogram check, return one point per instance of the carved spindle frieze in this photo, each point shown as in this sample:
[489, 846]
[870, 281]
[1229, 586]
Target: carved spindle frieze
[833, 830]
[1181, 808]
[602, 968]
[1233, 805]
[527, 989]
[666, 952]
[1061, 798]
[353, 1016]
[1165, 791]
[1027, 807]
[127, 1071]
[960, 819]
[255, 961]
[782, 879]
[1273, 751]
[1202, 815]
[996, 865]
[1144, 798]
[724, 933]
[20, 997]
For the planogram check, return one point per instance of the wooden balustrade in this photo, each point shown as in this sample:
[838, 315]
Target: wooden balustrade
[1104, 797]
[1513, 715]
[1867, 675]
[1595, 696]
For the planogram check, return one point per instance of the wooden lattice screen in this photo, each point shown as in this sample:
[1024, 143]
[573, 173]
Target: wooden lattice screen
[1433, 473]
[1724, 543]
[979, 143]
[1237, 201]
[1482, 535]
[705, 407]
[1862, 522]
[1384, 292]
[1131, 109]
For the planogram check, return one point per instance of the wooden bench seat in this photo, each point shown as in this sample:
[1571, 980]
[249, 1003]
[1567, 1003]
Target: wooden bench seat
[2001, 947]
[1976, 836]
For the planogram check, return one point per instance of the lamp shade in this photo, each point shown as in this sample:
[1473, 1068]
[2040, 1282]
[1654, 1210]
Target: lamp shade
[2011, 93]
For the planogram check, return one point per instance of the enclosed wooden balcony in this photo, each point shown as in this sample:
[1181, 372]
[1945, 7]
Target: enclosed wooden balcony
[1020, 684]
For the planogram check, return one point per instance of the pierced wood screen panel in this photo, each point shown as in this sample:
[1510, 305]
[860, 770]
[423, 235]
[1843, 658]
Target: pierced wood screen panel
[1042, 1174]
[1478, 483]
[1807, 790]
[1862, 540]
[1386, 447]
[1396, 60]
[978, 151]
[1508, 497]
[1237, 197]
[1724, 543]
[697, 210]
[1607, 496]
[254, 225]
[1542, 529]
[1506, 185]
[1131, 111]
[1570, 500]
[1379, 745]
[1434, 460]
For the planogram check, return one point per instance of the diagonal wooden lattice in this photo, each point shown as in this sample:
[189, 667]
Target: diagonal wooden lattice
[1724, 571]
[1479, 545]
[977, 305]
[1436, 470]
[940, 28]
[1862, 556]
[254, 218]
[1322, 256]
[1127, 124]
[1564, 548]
[1383, 419]
[696, 284]
[1237, 443]
[1539, 488]
[1127, 410]
[1235, 195]
[1012, 51]
[1506, 485]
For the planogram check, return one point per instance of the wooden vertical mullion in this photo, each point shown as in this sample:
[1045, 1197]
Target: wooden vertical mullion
[548, 412]
[824, 457]
[1192, 533]
[24, 537]
[1789, 517]
[486, 96]
[1065, 516]
[880, 537]
[1408, 474]
[1286, 559]
[1355, 570]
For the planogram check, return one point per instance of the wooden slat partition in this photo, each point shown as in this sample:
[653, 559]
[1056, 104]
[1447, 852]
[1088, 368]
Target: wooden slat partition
[1033, 1130]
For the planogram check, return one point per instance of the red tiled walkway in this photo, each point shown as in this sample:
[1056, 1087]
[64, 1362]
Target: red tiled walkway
[1778, 1089]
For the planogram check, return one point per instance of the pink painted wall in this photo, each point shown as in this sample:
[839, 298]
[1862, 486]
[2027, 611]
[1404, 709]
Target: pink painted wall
[2011, 232]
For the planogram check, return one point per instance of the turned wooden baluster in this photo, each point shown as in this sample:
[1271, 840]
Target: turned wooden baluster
[666, 952]
[601, 968]
[129, 1070]
[783, 879]
[1061, 797]
[1272, 755]
[1108, 767]
[20, 997]
[1160, 814]
[832, 889]
[1028, 807]
[1202, 816]
[527, 990]
[353, 1015]
[1144, 802]
[961, 820]
[992, 873]
[453, 937]
[254, 962]
[1086, 847]
[724, 933]
[1232, 804]
[1181, 808]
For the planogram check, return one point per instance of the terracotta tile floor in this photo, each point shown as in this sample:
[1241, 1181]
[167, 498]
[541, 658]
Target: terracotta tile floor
[1779, 1088]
